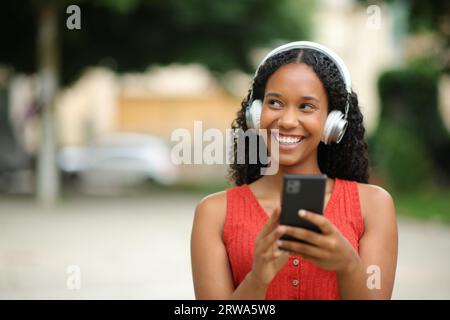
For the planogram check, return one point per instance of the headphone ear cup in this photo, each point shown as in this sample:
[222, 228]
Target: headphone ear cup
[335, 127]
[253, 114]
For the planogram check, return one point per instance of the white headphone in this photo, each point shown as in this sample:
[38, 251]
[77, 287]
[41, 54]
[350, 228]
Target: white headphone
[336, 122]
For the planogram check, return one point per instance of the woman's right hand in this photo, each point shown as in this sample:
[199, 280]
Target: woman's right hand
[268, 258]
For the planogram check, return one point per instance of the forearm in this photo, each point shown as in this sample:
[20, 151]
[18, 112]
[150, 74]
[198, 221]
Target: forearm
[249, 289]
[352, 282]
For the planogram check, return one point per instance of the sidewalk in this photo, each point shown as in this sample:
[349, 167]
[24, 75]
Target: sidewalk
[138, 248]
[125, 249]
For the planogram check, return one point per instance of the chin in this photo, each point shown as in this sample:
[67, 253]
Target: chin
[294, 157]
[290, 160]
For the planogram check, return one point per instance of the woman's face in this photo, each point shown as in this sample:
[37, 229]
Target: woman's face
[295, 102]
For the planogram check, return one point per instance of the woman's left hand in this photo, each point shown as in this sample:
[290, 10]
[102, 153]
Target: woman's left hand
[329, 250]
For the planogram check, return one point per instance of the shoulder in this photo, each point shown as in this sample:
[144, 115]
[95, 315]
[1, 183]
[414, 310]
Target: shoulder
[212, 209]
[214, 201]
[374, 193]
[376, 203]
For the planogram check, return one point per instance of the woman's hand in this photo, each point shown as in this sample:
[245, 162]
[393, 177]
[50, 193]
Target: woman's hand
[268, 258]
[329, 250]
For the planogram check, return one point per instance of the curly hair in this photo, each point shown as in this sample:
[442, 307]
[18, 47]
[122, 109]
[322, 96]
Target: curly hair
[347, 160]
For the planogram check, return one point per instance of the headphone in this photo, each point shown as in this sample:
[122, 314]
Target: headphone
[336, 123]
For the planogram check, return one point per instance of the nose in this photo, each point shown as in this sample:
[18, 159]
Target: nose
[289, 119]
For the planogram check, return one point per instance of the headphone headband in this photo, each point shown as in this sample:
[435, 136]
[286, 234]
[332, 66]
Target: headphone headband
[314, 46]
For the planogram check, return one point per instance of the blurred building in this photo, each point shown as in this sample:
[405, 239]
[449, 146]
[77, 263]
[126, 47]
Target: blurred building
[155, 102]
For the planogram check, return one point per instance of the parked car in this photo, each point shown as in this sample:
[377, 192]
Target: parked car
[120, 159]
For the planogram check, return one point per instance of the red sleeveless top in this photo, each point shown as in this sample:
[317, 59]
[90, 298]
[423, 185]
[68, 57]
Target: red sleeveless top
[298, 279]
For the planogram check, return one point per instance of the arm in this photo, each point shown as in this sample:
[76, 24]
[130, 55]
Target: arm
[210, 267]
[377, 247]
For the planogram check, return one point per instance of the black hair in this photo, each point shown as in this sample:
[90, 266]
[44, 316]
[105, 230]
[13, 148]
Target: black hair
[347, 160]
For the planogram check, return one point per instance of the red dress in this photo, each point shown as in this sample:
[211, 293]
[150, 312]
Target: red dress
[298, 279]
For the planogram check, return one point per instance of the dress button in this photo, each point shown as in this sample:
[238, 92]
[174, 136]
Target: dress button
[295, 262]
[295, 282]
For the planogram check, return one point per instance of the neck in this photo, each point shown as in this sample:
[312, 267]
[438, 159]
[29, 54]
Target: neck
[276, 181]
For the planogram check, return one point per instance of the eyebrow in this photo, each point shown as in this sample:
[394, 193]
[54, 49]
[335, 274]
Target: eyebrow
[275, 94]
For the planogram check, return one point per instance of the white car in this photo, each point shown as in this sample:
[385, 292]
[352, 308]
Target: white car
[121, 158]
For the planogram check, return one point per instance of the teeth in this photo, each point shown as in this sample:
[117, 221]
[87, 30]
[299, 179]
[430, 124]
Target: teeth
[287, 139]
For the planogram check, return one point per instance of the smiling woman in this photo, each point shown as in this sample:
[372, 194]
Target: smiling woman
[301, 96]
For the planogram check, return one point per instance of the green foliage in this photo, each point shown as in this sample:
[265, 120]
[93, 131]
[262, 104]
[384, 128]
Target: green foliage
[409, 98]
[430, 204]
[401, 159]
[410, 148]
[134, 34]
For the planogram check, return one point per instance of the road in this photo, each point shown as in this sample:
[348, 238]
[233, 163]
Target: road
[138, 248]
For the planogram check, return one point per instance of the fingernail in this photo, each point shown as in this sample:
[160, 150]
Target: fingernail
[281, 229]
[279, 243]
[302, 213]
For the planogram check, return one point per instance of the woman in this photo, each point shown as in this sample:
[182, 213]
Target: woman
[235, 246]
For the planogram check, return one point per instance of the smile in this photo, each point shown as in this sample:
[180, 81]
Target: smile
[288, 141]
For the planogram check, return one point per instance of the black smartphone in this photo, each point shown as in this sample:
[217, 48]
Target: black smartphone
[301, 192]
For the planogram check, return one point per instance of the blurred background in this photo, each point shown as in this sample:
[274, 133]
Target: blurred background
[91, 205]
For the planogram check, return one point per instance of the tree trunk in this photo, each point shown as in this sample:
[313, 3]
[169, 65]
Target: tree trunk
[48, 67]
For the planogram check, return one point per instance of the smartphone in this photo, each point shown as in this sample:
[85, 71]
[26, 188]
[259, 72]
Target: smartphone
[301, 192]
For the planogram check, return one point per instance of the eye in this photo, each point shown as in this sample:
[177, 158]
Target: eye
[306, 107]
[273, 103]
